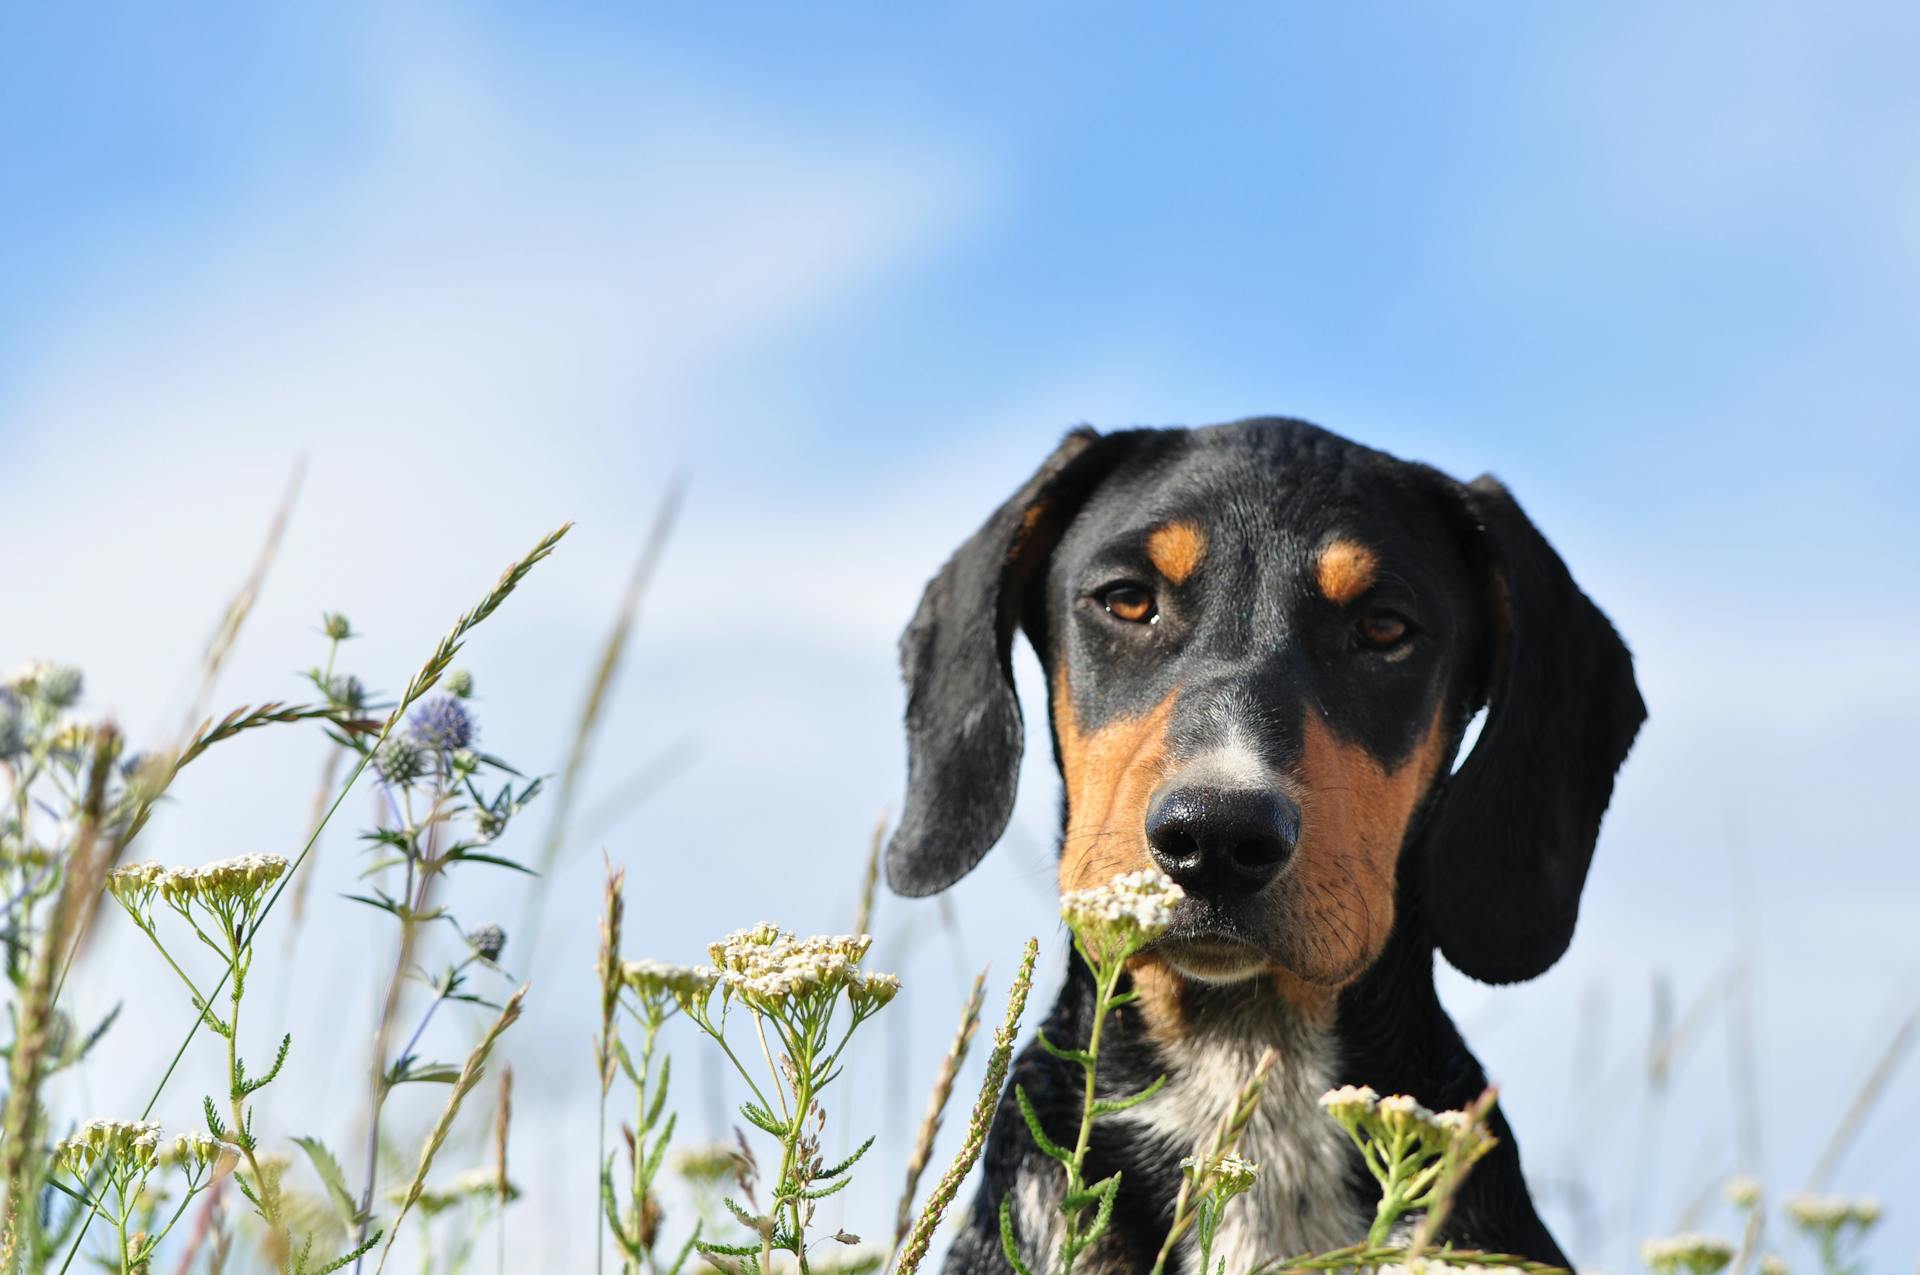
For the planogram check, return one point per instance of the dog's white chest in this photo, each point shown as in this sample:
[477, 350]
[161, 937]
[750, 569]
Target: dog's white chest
[1300, 1201]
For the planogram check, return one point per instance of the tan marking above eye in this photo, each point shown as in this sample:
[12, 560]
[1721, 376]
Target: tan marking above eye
[1345, 569]
[1177, 549]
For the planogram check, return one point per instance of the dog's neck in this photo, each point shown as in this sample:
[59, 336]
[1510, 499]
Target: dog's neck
[1302, 1199]
[1385, 1030]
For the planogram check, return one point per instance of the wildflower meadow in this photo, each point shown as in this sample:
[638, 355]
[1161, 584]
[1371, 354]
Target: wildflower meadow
[778, 1015]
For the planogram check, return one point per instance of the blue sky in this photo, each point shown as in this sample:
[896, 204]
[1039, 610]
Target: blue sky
[854, 270]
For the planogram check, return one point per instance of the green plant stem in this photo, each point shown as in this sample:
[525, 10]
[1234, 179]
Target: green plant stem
[1106, 980]
[642, 1128]
[269, 1204]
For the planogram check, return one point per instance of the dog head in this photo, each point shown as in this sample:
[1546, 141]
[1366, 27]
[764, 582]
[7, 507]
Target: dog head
[1263, 644]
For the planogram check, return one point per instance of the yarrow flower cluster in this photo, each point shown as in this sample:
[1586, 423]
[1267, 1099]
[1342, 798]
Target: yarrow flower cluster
[713, 1162]
[1741, 1192]
[128, 1144]
[1695, 1254]
[1832, 1212]
[1231, 1174]
[768, 969]
[677, 982]
[1114, 920]
[1407, 1148]
[131, 1149]
[229, 888]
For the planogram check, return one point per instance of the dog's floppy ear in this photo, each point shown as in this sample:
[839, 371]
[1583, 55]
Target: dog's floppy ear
[1514, 832]
[964, 731]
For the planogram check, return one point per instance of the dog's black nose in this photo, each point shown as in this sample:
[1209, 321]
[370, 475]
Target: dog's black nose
[1222, 840]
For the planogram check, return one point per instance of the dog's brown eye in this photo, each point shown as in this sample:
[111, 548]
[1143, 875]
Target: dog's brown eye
[1130, 603]
[1382, 630]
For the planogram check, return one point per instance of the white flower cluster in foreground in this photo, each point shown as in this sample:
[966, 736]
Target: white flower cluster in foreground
[1398, 1118]
[1697, 1254]
[1125, 914]
[767, 967]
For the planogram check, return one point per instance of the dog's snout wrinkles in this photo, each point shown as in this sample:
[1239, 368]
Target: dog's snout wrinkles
[1215, 840]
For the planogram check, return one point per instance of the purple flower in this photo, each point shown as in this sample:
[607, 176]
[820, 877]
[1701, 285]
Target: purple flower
[442, 723]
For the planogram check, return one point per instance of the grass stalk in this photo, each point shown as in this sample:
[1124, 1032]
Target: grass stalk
[914, 1251]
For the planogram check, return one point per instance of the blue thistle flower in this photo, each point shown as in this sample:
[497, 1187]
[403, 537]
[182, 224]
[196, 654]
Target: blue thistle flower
[399, 761]
[443, 723]
[13, 724]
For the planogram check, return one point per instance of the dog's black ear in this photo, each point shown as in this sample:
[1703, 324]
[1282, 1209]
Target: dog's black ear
[1514, 832]
[964, 730]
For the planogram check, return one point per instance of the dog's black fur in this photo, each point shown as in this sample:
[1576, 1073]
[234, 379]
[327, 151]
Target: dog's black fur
[1490, 859]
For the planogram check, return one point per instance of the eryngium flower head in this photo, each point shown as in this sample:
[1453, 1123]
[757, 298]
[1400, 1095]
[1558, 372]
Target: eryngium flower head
[442, 723]
[459, 683]
[335, 626]
[13, 723]
[347, 691]
[1695, 1254]
[1125, 914]
[400, 761]
[52, 685]
[487, 942]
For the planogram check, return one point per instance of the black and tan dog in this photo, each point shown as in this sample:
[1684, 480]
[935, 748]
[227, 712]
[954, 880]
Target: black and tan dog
[1263, 644]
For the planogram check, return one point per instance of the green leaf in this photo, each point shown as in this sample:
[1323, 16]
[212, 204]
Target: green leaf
[1007, 1244]
[93, 1037]
[1107, 1106]
[824, 1191]
[1047, 1145]
[1105, 1215]
[659, 1093]
[344, 1258]
[612, 1210]
[651, 1168]
[1080, 1056]
[474, 856]
[746, 1219]
[845, 1164]
[760, 1118]
[728, 1250]
[246, 1086]
[332, 1176]
[383, 903]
